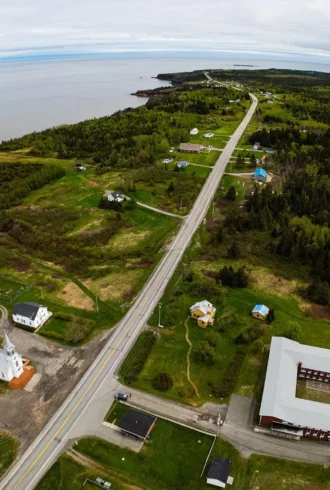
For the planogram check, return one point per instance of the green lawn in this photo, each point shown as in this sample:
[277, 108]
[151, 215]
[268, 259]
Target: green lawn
[116, 412]
[8, 451]
[173, 460]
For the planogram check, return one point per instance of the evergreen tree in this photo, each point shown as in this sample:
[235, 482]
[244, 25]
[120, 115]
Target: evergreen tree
[234, 251]
[231, 193]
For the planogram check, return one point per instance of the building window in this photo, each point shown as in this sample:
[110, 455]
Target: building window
[315, 433]
[307, 433]
[321, 373]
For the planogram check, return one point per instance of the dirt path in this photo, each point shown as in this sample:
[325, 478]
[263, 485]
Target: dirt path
[188, 358]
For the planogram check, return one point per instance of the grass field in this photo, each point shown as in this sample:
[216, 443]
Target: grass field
[173, 460]
[116, 412]
[8, 451]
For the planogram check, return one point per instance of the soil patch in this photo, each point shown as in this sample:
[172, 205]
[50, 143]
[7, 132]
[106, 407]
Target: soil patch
[72, 295]
[318, 312]
[114, 286]
[92, 183]
[274, 284]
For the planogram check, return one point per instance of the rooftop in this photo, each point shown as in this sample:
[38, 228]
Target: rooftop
[28, 309]
[219, 469]
[137, 423]
[279, 396]
[260, 171]
[262, 309]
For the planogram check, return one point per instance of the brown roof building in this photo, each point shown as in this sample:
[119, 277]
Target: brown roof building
[191, 147]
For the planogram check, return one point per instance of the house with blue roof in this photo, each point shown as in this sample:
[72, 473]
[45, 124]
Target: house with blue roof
[260, 175]
[260, 312]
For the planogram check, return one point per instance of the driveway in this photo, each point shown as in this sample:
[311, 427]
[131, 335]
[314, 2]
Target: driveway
[238, 430]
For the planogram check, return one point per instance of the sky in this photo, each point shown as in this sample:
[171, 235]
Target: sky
[282, 28]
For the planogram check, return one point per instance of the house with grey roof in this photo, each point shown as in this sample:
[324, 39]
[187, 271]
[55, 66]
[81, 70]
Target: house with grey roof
[30, 314]
[218, 474]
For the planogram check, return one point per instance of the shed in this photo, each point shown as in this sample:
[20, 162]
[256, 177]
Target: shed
[137, 424]
[218, 474]
[260, 175]
[182, 164]
[194, 131]
[260, 312]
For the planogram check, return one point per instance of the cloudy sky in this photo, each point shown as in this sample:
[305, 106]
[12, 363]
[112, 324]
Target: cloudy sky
[280, 27]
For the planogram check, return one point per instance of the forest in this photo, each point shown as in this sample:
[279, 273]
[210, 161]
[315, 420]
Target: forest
[131, 138]
[17, 180]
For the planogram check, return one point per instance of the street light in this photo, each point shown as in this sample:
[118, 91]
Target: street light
[254, 474]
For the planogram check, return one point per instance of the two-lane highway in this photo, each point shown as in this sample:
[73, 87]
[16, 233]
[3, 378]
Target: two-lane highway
[46, 448]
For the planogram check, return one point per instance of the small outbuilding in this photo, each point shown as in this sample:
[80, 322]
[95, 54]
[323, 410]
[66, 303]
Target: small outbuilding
[182, 164]
[208, 135]
[260, 175]
[116, 197]
[256, 146]
[218, 474]
[194, 131]
[260, 312]
[137, 424]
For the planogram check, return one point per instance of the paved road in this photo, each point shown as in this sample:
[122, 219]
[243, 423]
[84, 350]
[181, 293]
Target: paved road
[48, 445]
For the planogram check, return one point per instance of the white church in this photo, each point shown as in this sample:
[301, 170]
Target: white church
[11, 363]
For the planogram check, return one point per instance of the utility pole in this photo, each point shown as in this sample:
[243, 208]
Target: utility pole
[254, 474]
[159, 309]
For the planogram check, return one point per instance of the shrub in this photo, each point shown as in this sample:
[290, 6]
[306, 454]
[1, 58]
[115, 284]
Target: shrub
[271, 316]
[60, 315]
[248, 336]
[78, 330]
[132, 369]
[318, 292]
[233, 279]
[230, 378]
[292, 331]
[231, 193]
[234, 251]
[204, 352]
[211, 338]
[162, 382]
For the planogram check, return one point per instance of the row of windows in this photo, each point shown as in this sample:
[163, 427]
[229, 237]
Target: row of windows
[315, 372]
[302, 375]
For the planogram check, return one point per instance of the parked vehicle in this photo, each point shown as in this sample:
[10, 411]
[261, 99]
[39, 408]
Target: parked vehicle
[121, 396]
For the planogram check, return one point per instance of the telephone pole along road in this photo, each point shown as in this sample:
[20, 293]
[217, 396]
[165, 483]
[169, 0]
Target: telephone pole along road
[49, 444]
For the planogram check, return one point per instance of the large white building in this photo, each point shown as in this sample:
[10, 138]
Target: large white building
[11, 363]
[31, 314]
[280, 409]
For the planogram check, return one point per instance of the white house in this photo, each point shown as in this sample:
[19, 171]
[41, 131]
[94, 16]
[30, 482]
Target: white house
[218, 474]
[208, 135]
[116, 197]
[11, 363]
[194, 131]
[31, 314]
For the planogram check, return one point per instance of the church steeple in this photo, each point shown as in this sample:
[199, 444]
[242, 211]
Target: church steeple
[8, 347]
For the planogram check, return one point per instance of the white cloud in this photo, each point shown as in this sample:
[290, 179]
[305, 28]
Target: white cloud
[265, 26]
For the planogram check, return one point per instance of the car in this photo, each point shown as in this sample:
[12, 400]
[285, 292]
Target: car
[121, 396]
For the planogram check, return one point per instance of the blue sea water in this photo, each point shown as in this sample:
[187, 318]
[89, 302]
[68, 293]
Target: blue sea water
[37, 93]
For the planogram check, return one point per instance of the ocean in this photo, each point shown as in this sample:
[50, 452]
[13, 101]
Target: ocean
[38, 94]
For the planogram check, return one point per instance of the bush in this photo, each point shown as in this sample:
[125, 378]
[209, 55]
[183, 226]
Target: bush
[233, 279]
[212, 339]
[141, 353]
[60, 315]
[234, 251]
[231, 193]
[204, 352]
[318, 292]
[78, 330]
[230, 378]
[162, 382]
[271, 316]
[248, 336]
[292, 331]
